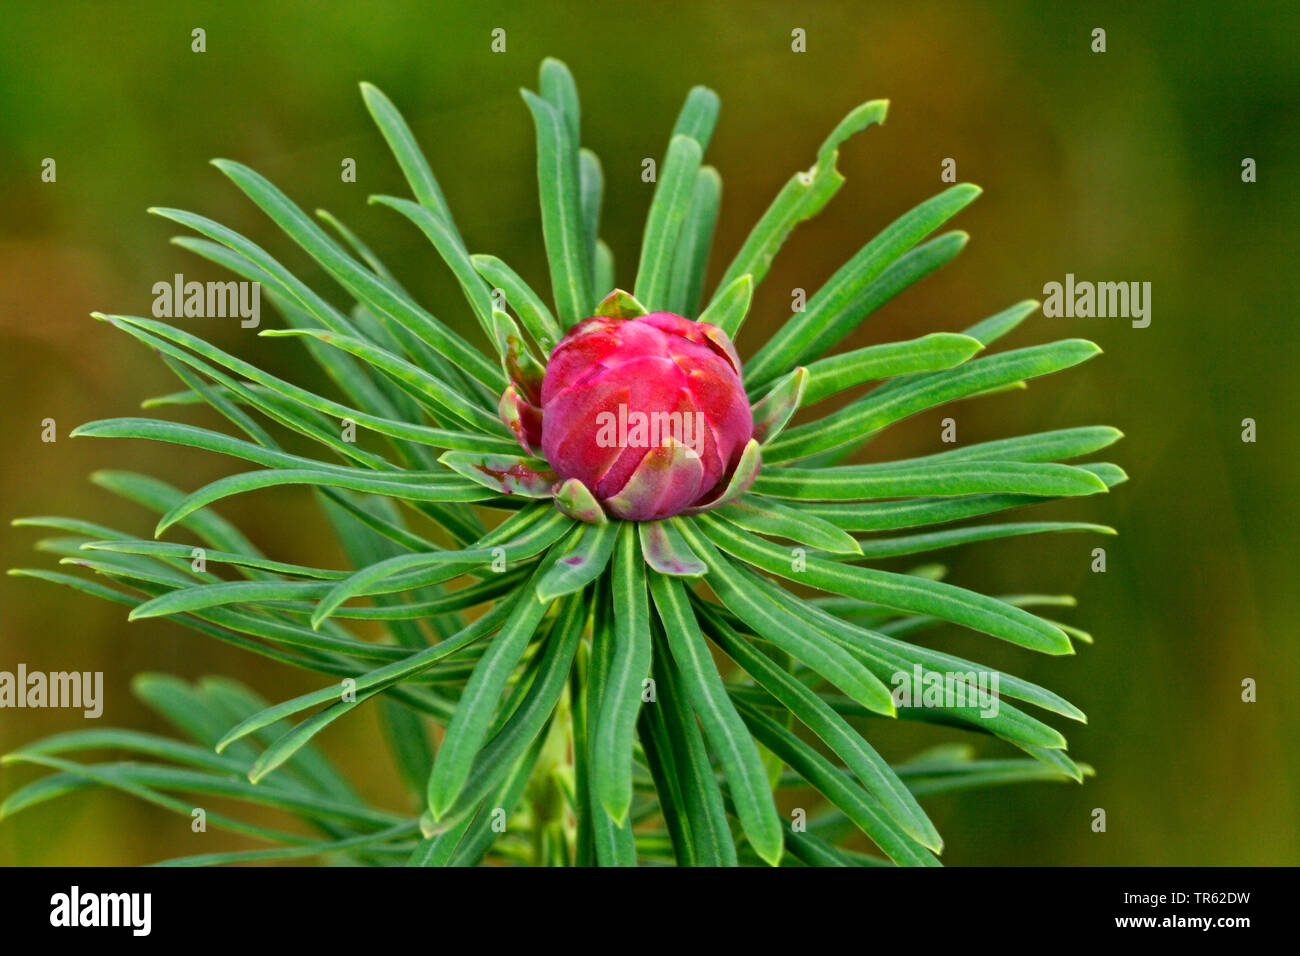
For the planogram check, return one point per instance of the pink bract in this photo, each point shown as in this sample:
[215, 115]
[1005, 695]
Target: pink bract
[649, 413]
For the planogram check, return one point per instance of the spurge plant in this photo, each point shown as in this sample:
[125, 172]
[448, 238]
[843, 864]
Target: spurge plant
[558, 538]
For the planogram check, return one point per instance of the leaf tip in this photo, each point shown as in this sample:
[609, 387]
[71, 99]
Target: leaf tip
[771, 851]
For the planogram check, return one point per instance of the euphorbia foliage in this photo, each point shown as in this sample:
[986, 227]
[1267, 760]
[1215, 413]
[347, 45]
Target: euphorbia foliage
[556, 608]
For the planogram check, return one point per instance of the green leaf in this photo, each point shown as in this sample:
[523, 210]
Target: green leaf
[875, 411]
[612, 844]
[672, 805]
[886, 657]
[523, 369]
[468, 729]
[409, 157]
[860, 757]
[528, 305]
[137, 742]
[378, 679]
[557, 87]
[285, 747]
[591, 187]
[614, 727]
[674, 734]
[443, 490]
[235, 702]
[775, 518]
[323, 848]
[741, 480]
[480, 834]
[900, 591]
[515, 540]
[425, 388]
[691, 257]
[579, 562]
[1055, 445]
[722, 727]
[919, 543]
[812, 850]
[302, 308]
[666, 551]
[698, 116]
[604, 268]
[575, 499]
[986, 332]
[535, 709]
[142, 779]
[619, 305]
[854, 292]
[987, 773]
[668, 210]
[777, 407]
[802, 197]
[773, 618]
[158, 496]
[194, 437]
[562, 224]
[939, 350]
[858, 482]
[730, 306]
[917, 512]
[227, 592]
[360, 282]
[505, 474]
[438, 438]
[452, 250]
[839, 789]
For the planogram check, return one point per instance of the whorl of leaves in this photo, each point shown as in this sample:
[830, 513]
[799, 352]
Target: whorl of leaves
[572, 665]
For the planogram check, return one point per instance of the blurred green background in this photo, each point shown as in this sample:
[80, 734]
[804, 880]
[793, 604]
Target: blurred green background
[1117, 166]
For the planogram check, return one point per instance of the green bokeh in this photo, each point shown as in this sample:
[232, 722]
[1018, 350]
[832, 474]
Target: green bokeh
[1117, 166]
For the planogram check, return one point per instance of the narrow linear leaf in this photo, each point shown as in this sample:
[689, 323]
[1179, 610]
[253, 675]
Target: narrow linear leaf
[668, 210]
[877, 409]
[802, 197]
[666, 551]
[528, 305]
[561, 199]
[860, 757]
[853, 292]
[730, 306]
[468, 729]
[900, 591]
[837, 788]
[691, 258]
[855, 483]
[580, 562]
[934, 352]
[629, 665]
[722, 726]
[772, 517]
